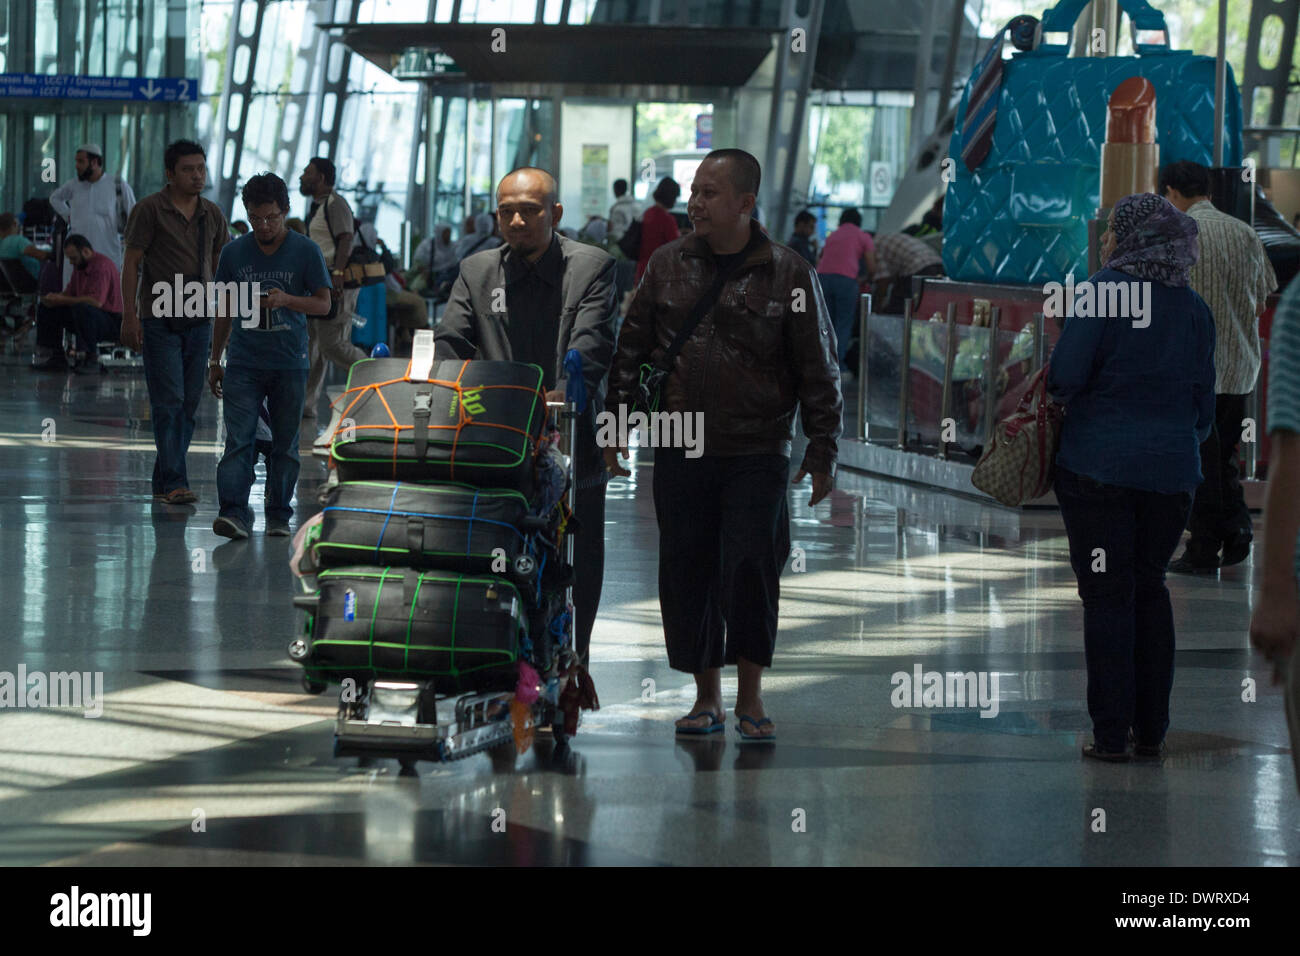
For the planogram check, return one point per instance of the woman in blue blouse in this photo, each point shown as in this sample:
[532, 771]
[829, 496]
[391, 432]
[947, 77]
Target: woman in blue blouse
[1138, 391]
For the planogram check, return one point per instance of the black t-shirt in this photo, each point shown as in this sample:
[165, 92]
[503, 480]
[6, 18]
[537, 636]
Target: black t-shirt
[730, 261]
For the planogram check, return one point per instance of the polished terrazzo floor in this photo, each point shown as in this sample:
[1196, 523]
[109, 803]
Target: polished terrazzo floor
[203, 718]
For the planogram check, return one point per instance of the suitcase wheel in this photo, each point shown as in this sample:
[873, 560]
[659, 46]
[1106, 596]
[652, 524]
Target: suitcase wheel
[313, 687]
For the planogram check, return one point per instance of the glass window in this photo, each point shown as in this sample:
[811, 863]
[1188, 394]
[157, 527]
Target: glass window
[47, 37]
[668, 138]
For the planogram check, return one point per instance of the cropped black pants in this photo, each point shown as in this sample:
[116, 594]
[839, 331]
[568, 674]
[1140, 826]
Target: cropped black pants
[724, 538]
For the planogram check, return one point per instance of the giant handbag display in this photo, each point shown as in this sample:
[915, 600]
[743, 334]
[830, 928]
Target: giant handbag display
[454, 527]
[477, 422]
[1021, 216]
[462, 632]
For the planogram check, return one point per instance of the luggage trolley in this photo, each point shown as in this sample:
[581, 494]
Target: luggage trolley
[378, 534]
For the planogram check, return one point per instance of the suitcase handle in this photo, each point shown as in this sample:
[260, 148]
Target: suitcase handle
[307, 602]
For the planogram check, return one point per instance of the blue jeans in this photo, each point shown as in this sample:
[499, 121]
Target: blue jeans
[1128, 621]
[842, 301]
[242, 392]
[175, 370]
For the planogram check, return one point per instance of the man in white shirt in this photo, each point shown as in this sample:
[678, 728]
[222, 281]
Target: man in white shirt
[95, 205]
[621, 214]
[1234, 277]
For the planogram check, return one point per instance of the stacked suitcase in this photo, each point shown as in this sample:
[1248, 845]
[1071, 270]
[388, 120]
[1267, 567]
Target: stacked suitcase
[435, 560]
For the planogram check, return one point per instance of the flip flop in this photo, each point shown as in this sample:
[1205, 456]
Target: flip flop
[718, 723]
[741, 719]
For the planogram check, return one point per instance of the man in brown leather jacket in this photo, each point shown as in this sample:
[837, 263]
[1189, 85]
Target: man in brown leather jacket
[765, 351]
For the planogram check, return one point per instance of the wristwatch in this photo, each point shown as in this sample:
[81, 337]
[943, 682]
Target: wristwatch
[214, 363]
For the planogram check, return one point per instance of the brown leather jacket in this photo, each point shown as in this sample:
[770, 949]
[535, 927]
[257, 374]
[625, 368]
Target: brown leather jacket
[751, 363]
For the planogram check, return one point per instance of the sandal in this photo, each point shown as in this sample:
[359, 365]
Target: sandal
[1110, 756]
[719, 723]
[741, 720]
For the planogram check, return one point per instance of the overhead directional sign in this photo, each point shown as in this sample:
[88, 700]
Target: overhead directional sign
[63, 86]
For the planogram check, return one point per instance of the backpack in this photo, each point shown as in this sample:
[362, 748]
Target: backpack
[630, 241]
[365, 265]
[1017, 466]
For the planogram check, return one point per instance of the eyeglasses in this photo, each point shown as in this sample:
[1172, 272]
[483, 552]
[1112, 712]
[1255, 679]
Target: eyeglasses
[258, 220]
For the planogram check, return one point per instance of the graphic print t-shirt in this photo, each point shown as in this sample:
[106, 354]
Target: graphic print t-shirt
[298, 268]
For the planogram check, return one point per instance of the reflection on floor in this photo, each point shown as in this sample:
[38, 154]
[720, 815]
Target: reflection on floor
[208, 753]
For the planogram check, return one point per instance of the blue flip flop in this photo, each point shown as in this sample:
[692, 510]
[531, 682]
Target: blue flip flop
[718, 724]
[741, 719]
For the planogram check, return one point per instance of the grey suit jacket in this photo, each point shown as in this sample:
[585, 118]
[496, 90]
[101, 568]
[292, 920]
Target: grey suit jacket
[471, 329]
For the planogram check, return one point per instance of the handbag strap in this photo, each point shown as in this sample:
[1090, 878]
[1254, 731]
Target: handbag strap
[1060, 19]
[701, 308]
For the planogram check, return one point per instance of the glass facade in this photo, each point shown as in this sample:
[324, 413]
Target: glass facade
[132, 38]
[274, 90]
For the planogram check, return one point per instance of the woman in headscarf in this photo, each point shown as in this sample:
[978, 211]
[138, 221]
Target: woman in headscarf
[1138, 391]
[481, 238]
[444, 255]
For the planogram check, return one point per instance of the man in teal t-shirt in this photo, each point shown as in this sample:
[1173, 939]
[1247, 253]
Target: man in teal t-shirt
[267, 354]
[14, 245]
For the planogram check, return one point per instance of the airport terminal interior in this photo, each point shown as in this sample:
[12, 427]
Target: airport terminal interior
[216, 734]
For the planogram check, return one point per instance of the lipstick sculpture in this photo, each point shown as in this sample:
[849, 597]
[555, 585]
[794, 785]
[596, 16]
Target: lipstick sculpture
[1130, 157]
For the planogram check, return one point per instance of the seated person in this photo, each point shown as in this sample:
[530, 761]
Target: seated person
[90, 306]
[14, 245]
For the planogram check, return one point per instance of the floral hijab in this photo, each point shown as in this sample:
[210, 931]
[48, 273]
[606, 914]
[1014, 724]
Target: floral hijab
[1154, 240]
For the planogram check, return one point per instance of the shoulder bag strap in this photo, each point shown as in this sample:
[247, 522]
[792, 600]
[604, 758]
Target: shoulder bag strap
[203, 242]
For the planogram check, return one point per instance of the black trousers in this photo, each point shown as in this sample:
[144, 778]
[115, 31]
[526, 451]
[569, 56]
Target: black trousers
[588, 564]
[1219, 511]
[589, 542]
[724, 538]
[1128, 619]
[89, 324]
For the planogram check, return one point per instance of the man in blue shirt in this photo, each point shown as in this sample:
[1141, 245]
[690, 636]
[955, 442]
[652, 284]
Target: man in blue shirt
[267, 355]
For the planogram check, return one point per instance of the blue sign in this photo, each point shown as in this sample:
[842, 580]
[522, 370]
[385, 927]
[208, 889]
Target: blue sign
[63, 86]
[704, 131]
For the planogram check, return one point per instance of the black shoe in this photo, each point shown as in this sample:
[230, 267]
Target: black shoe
[1236, 551]
[1110, 756]
[1185, 565]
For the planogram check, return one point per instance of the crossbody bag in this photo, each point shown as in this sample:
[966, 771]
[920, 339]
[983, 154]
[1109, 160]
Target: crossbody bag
[653, 375]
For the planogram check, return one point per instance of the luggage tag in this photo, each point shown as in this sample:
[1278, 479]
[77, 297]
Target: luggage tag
[421, 356]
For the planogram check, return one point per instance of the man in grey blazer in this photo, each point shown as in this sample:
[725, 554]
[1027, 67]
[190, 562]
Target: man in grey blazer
[532, 300]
